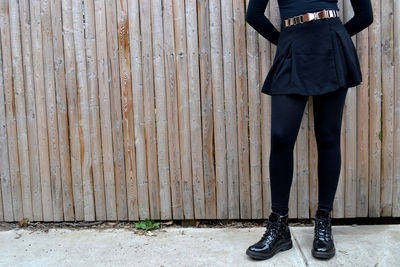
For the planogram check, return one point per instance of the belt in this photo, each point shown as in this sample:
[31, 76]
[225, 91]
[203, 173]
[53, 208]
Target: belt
[310, 16]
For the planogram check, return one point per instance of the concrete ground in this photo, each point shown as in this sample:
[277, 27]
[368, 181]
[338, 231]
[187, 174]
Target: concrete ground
[359, 245]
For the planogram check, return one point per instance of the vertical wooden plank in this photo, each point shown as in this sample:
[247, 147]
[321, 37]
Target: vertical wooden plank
[115, 94]
[1, 205]
[375, 82]
[31, 114]
[302, 170]
[51, 110]
[338, 202]
[387, 107]
[127, 114]
[232, 155]
[293, 209]
[242, 108]
[172, 103]
[95, 136]
[84, 116]
[59, 72]
[105, 110]
[10, 112]
[396, 131]
[93, 94]
[183, 108]
[19, 96]
[275, 18]
[172, 109]
[73, 116]
[254, 118]
[362, 127]
[312, 161]
[149, 116]
[195, 112]
[40, 97]
[349, 124]
[219, 110]
[4, 166]
[265, 64]
[137, 93]
[5, 178]
[162, 115]
[207, 119]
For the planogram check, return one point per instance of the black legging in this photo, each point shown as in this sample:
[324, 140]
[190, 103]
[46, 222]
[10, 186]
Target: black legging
[286, 115]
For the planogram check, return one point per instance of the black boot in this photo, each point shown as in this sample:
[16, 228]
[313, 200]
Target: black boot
[276, 238]
[323, 246]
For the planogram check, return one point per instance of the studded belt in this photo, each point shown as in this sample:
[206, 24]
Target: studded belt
[331, 13]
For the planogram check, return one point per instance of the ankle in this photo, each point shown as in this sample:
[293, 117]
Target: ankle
[281, 212]
[326, 209]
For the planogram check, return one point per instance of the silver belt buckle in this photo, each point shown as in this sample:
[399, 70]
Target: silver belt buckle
[308, 17]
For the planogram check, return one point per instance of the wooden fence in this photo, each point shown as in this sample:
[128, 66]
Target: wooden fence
[134, 109]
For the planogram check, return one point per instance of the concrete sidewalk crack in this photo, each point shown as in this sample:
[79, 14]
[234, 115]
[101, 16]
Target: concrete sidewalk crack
[301, 251]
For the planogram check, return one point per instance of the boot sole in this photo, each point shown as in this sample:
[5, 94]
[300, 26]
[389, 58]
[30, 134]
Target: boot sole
[323, 255]
[262, 256]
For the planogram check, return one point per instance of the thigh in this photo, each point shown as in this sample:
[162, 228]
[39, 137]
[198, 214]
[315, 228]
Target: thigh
[286, 114]
[328, 112]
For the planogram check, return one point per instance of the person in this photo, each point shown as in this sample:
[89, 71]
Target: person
[316, 57]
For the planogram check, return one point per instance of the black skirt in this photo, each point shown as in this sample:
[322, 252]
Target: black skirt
[313, 58]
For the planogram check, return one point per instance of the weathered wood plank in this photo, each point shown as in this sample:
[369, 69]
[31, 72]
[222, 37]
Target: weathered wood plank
[127, 111]
[84, 115]
[375, 114]
[387, 120]
[137, 93]
[199, 190]
[40, 97]
[207, 120]
[105, 110]
[350, 130]
[266, 60]
[73, 116]
[396, 130]
[31, 114]
[149, 116]
[183, 107]
[219, 110]
[20, 110]
[253, 66]
[93, 94]
[232, 155]
[242, 108]
[5, 178]
[62, 116]
[116, 113]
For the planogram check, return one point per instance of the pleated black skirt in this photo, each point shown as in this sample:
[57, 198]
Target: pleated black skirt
[313, 58]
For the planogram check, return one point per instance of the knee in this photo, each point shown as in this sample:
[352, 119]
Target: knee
[328, 139]
[281, 139]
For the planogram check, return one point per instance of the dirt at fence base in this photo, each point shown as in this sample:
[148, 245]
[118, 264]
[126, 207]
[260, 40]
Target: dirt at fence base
[228, 223]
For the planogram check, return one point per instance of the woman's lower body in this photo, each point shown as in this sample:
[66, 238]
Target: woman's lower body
[286, 115]
[314, 59]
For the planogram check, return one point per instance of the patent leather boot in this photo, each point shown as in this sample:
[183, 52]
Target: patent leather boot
[323, 246]
[276, 238]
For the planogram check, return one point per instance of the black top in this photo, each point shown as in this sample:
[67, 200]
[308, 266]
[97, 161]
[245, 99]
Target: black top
[255, 17]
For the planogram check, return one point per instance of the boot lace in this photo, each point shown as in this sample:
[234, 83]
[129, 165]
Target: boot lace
[271, 232]
[322, 229]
